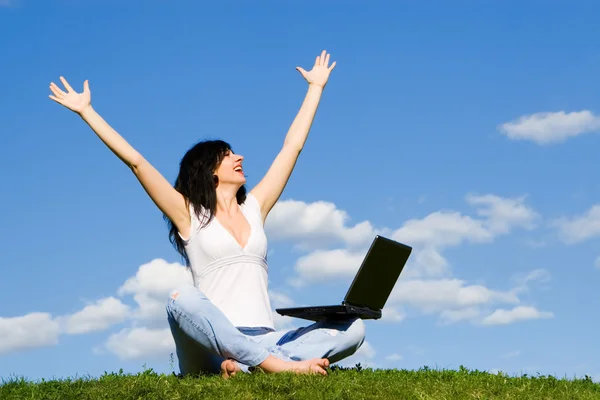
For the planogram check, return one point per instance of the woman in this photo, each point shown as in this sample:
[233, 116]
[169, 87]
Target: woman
[223, 321]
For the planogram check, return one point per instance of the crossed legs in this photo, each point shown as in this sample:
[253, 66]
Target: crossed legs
[204, 338]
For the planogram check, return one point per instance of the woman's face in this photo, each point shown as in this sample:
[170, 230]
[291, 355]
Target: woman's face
[230, 171]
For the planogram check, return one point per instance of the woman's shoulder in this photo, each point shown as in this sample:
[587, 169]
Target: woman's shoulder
[251, 202]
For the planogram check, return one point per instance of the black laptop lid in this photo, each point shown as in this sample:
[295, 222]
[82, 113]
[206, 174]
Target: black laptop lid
[378, 273]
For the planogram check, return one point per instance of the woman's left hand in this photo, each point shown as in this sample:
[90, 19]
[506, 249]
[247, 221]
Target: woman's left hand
[319, 75]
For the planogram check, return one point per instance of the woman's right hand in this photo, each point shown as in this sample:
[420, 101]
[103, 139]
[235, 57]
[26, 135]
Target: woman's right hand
[76, 102]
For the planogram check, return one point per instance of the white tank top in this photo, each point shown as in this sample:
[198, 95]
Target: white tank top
[234, 279]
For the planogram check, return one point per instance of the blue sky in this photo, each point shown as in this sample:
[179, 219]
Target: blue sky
[466, 130]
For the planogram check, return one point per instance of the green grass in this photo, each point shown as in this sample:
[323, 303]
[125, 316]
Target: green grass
[356, 383]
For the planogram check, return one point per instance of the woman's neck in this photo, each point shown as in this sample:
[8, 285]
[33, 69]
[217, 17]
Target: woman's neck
[227, 199]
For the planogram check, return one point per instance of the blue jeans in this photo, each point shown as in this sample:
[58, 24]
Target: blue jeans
[204, 337]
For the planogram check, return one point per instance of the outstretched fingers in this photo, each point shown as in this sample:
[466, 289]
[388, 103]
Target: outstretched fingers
[57, 94]
[66, 84]
[56, 90]
[323, 60]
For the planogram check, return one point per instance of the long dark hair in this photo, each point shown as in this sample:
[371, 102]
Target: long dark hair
[197, 183]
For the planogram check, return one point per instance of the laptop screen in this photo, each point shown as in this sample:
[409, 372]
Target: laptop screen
[378, 273]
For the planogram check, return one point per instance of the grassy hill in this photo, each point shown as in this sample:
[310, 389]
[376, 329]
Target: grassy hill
[355, 383]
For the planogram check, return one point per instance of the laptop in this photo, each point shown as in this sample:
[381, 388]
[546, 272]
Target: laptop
[370, 288]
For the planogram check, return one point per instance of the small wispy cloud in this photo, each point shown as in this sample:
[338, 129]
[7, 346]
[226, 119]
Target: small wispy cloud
[523, 281]
[519, 313]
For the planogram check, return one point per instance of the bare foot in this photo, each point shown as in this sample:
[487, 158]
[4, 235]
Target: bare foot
[314, 366]
[273, 365]
[229, 368]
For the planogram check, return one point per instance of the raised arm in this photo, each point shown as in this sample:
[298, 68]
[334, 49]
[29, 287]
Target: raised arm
[269, 189]
[167, 199]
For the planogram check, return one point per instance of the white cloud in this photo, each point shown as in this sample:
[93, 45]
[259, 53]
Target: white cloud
[519, 313]
[95, 317]
[391, 314]
[501, 215]
[446, 294]
[551, 127]
[157, 278]
[426, 262]
[442, 229]
[426, 283]
[27, 332]
[149, 336]
[324, 265]
[150, 288]
[322, 224]
[312, 225]
[580, 228]
[462, 314]
[141, 343]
